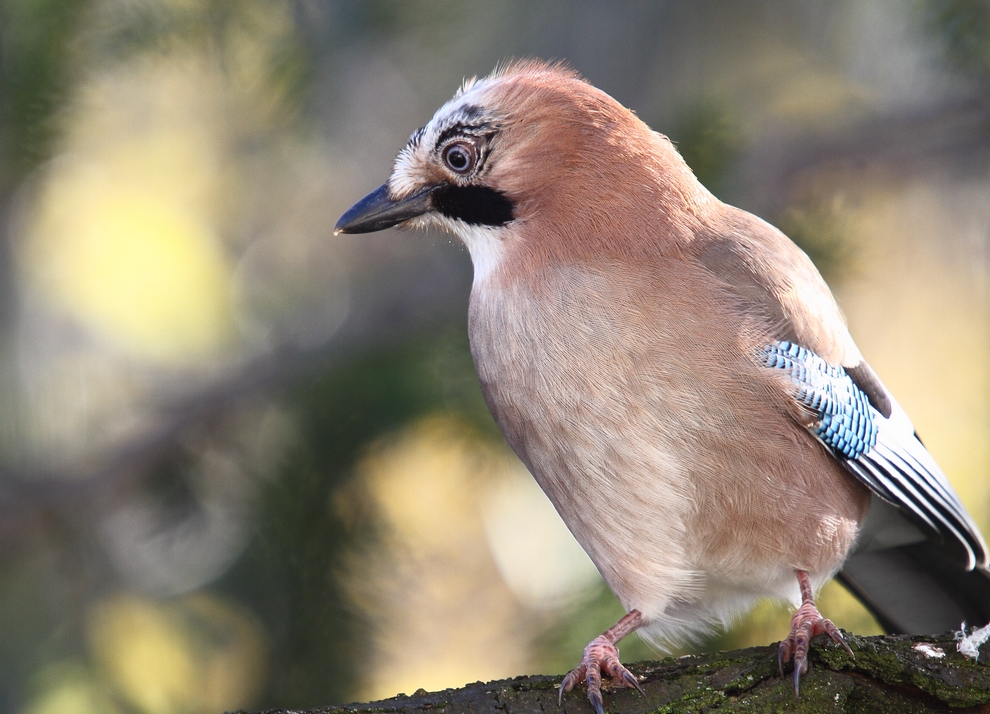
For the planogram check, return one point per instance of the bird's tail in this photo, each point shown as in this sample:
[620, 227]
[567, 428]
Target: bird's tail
[915, 589]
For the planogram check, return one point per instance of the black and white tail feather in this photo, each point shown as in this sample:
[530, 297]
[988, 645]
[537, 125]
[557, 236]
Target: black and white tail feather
[920, 564]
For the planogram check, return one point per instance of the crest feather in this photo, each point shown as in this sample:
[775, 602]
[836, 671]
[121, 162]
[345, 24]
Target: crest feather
[535, 66]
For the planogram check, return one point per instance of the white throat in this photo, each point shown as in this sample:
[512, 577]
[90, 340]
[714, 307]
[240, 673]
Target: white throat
[486, 244]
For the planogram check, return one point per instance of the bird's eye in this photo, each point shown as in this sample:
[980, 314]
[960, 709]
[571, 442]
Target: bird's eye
[459, 157]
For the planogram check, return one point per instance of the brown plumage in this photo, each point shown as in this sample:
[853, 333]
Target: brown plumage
[620, 322]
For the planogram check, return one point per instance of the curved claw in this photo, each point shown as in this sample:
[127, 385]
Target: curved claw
[595, 697]
[569, 682]
[783, 655]
[630, 680]
[800, 661]
[806, 624]
[836, 635]
[600, 656]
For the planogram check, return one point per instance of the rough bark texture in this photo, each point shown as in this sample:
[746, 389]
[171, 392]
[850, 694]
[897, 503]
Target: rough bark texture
[889, 674]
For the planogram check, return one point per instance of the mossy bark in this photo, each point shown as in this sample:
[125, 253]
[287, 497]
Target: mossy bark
[889, 674]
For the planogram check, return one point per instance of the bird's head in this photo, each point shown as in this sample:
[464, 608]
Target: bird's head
[534, 154]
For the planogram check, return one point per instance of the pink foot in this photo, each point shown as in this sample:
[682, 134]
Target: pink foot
[806, 624]
[601, 655]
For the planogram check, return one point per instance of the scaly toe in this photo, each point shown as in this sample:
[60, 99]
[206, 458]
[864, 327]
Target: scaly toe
[595, 697]
[600, 656]
[832, 631]
[629, 679]
[806, 625]
[572, 679]
[611, 665]
[784, 653]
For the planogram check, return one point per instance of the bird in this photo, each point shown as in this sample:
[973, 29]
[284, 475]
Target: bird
[677, 377]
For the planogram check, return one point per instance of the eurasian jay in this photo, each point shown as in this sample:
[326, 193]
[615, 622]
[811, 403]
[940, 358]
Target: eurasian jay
[677, 376]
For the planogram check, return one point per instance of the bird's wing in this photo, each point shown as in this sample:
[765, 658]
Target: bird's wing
[903, 568]
[882, 451]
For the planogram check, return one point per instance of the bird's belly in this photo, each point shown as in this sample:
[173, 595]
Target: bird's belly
[675, 476]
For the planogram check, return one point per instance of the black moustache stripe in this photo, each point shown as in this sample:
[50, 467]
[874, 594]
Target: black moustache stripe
[475, 205]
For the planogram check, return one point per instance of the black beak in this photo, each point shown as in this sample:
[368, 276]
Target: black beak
[377, 211]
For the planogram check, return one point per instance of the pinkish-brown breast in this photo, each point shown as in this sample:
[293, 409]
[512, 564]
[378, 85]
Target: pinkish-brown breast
[631, 393]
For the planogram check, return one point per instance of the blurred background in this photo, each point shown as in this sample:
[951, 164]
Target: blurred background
[245, 463]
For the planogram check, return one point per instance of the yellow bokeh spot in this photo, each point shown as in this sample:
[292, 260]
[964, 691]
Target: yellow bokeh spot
[197, 654]
[433, 573]
[123, 233]
[136, 266]
[70, 688]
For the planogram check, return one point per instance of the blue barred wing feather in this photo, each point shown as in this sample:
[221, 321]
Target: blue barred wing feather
[883, 453]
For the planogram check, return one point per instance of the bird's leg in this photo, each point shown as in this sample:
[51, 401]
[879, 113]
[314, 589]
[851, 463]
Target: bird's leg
[806, 624]
[601, 655]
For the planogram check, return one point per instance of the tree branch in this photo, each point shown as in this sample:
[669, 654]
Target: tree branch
[889, 674]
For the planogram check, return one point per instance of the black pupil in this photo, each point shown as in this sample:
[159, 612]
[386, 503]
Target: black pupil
[457, 159]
